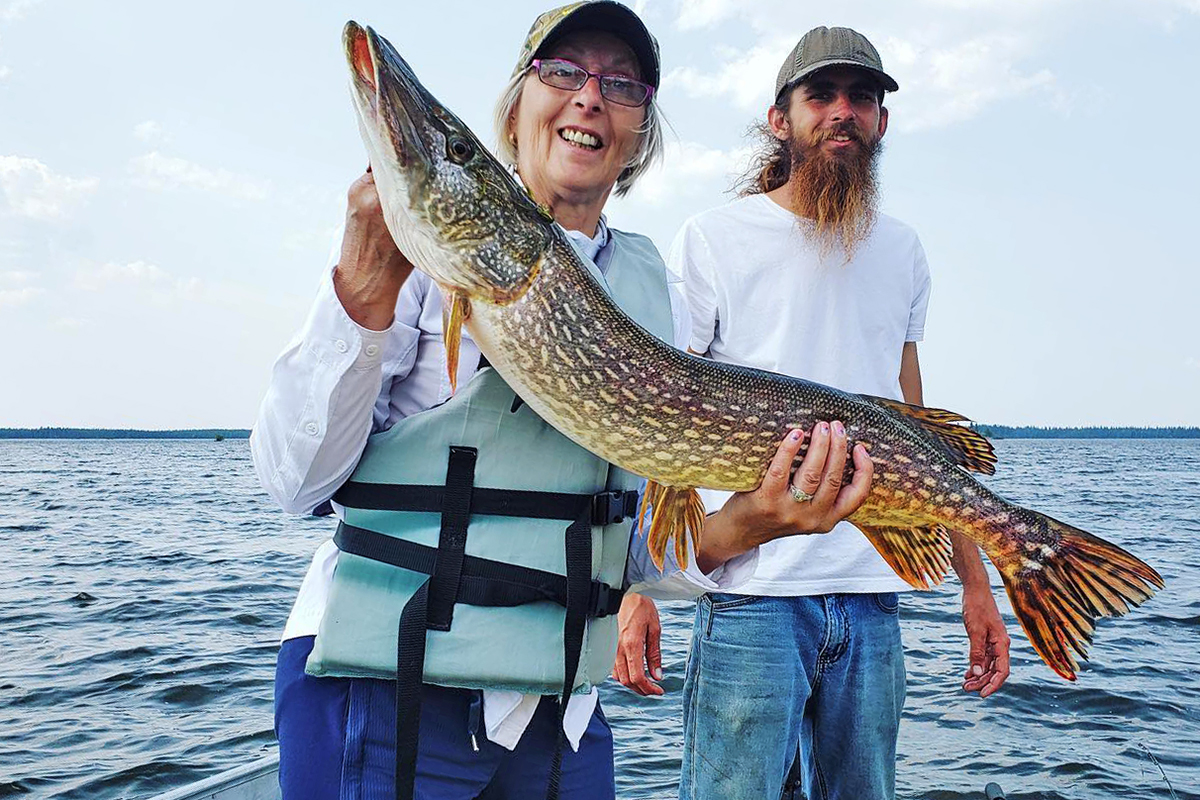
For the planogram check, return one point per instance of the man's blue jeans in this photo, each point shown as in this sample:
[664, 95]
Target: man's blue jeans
[768, 675]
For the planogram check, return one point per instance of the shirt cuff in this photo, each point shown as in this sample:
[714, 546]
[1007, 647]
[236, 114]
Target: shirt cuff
[337, 339]
[675, 583]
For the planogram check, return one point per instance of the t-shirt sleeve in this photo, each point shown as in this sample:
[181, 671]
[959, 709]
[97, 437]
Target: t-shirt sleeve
[922, 283]
[689, 258]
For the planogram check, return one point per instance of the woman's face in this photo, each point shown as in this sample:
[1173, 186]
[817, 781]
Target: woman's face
[547, 122]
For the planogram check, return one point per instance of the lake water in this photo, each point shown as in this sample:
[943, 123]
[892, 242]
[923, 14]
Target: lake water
[147, 583]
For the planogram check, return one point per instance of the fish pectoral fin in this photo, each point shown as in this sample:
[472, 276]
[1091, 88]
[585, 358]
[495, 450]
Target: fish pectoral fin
[921, 556]
[675, 513]
[965, 446]
[456, 308]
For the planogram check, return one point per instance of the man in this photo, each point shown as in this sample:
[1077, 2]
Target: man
[802, 275]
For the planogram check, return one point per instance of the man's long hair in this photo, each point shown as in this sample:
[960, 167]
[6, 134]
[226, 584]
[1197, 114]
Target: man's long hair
[838, 195]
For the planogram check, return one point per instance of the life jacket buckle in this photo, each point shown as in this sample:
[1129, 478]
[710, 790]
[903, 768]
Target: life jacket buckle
[609, 508]
[604, 600]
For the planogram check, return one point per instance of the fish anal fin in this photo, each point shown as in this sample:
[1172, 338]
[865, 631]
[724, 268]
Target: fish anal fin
[965, 446]
[921, 556]
[456, 308]
[675, 513]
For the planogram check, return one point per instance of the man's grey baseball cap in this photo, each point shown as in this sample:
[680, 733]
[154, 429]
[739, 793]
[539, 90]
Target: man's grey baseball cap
[831, 47]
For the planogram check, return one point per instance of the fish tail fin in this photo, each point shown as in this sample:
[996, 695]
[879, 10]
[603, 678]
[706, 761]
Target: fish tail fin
[675, 513]
[1061, 581]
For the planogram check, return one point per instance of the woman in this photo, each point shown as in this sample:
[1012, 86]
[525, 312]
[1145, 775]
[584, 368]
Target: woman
[365, 385]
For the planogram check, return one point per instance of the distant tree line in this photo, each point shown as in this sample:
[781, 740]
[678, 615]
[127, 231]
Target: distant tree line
[1099, 432]
[122, 433]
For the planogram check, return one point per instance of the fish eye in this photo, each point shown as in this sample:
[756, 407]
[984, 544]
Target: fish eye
[459, 149]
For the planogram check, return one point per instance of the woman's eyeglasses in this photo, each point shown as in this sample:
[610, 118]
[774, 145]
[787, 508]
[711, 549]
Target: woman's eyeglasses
[620, 89]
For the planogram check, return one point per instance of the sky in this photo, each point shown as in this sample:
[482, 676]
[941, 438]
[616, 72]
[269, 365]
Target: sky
[172, 175]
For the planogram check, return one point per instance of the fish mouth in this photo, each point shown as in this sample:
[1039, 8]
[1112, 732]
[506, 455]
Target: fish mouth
[436, 182]
[390, 98]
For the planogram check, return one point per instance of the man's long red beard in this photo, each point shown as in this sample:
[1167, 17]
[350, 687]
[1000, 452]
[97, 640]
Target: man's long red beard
[837, 192]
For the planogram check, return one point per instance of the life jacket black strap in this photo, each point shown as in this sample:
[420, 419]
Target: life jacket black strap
[452, 541]
[607, 507]
[410, 667]
[579, 571]
[483, 582]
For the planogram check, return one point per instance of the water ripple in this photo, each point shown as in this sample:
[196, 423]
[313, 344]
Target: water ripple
[141, 629]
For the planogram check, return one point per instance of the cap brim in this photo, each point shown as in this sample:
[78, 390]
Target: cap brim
[618, 20]
[886, 81]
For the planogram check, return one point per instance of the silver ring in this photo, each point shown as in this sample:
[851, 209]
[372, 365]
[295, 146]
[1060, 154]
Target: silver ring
[798, 494]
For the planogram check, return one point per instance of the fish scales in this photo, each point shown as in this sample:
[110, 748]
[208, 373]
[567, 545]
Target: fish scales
[510, 275]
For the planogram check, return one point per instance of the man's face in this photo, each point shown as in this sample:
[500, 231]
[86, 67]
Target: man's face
[835, 113]
[833, 125]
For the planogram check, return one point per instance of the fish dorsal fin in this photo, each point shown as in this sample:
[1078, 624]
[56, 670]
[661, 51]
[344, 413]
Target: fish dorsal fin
[964, 446]
[921, 556]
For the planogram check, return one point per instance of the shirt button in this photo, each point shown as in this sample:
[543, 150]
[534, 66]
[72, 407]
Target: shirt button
[372, 349]
[340, 346]
[312, 429]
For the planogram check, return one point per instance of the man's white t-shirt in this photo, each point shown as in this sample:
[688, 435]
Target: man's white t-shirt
[762, 295]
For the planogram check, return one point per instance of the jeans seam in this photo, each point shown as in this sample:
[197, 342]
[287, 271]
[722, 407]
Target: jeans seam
[691, 732]
[822, 784]
[352, 696]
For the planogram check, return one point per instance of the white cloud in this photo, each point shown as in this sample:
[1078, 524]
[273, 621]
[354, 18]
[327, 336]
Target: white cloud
[16, 278]
[956, 81]
[30, 189]
[686, 167]
[959, 81]
[744, 77]
[95, 278]
[695, 14]
[1191, 362]
[18, 297]
[148, 131]
[16, 9]
[953, 61]
[151, 283]
[157, 171]
[4, 72]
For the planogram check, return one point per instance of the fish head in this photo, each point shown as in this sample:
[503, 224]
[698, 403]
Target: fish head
[451, 207]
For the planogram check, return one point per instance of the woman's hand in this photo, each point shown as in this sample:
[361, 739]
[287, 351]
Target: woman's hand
[371, 269]
[812, 502]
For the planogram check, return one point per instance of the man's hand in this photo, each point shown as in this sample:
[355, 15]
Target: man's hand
[371, 269]
[778, 506]
[989, 642]
[639, 645]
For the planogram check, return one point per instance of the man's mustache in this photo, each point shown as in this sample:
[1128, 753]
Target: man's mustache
[847, 129]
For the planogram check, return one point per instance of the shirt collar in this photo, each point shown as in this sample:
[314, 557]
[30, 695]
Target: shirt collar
[591, 245]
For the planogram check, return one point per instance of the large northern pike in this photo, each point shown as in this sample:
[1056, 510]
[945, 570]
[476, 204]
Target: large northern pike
[681, 421]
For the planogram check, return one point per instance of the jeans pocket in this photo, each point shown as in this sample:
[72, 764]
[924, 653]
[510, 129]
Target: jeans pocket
[888, 602]
[719, 602]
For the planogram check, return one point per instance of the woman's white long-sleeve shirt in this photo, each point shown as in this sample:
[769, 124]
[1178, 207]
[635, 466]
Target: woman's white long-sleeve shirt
[337, 383]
